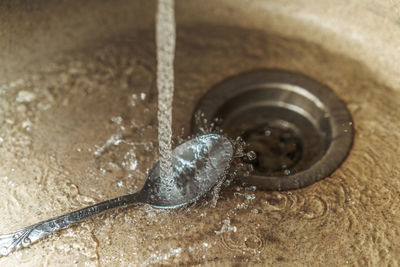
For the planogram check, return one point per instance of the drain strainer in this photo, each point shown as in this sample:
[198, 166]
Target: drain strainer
[300, 130]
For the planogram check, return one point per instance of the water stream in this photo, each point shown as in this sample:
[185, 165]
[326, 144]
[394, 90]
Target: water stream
[165, 40]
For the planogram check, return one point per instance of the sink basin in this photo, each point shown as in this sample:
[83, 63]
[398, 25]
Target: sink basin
[78, 125]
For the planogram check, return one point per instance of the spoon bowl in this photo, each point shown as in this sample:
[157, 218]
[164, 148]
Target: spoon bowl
[198, 165]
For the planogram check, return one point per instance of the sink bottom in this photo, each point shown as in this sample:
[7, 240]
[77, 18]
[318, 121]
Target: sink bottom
[83, 129]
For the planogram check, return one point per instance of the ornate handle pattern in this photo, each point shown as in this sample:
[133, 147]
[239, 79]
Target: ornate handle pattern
[28, 235]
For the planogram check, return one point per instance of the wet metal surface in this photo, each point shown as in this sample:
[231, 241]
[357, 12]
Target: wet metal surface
[300, 130]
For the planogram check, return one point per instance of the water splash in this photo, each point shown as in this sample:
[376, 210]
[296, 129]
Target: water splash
[165, 38]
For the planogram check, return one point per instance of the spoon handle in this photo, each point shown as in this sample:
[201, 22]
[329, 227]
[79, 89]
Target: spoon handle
[28, 235]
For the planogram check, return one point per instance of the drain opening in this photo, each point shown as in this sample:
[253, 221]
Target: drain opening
[278, 150]
[299, 129]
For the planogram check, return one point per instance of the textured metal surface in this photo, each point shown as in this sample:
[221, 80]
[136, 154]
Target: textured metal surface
[300, 130]
[28, 235]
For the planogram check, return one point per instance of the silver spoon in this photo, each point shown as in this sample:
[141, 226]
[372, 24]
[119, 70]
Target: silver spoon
[198, 165]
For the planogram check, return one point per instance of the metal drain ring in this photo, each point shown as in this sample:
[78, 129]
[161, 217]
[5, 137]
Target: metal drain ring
[286, 99]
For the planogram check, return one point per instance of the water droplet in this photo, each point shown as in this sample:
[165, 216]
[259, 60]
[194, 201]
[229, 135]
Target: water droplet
[251, 155]
[133, 99]
[117, 119]
[25, 97]
[250, 197]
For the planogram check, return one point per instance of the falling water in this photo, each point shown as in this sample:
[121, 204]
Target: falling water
[165, 39]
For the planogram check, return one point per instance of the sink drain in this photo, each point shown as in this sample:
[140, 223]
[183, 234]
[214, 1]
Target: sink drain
[299, 129]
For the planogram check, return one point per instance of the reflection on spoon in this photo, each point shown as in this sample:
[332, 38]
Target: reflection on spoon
[199, 164]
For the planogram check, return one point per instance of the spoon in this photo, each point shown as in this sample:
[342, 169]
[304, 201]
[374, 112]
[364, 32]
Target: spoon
[198, 165]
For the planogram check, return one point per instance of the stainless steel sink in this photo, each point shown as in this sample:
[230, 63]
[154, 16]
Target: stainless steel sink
[78, 125]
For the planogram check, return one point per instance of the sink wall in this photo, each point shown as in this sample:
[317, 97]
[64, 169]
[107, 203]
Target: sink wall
[367, 31]
[33, 32]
